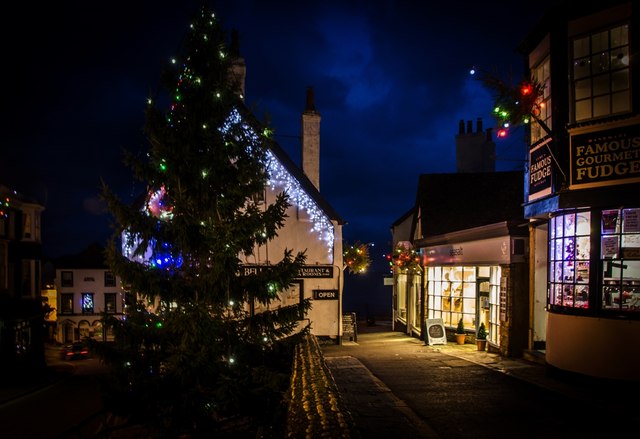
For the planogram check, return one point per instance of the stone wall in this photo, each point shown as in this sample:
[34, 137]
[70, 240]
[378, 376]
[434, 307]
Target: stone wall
[315, 407]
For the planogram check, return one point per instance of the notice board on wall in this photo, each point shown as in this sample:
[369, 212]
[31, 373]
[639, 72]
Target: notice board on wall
[435, 332]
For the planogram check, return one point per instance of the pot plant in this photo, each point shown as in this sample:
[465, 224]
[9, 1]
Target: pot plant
[460, 334]
[481, 337]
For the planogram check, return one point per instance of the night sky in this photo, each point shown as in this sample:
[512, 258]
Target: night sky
[391, 82]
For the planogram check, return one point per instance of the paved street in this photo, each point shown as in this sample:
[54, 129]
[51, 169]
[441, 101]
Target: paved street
[396, 386]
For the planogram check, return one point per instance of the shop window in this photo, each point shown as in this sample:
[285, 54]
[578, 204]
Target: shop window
[87, 303]
[600, 74]
[401, 292]
[620, 255]
[569, 253]
[452, 295]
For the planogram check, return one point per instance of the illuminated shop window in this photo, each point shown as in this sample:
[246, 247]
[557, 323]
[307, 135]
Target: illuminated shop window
[401, 299]
[620, 253]
[87, 303]
[452, 295]
[569, 250]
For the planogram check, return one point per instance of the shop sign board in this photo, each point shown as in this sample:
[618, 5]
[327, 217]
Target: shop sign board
[306, 271]
[492, 250]
[540, 180]
[605, 157]
[435, 332]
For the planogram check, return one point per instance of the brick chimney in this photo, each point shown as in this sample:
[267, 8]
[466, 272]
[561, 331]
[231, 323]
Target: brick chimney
[475, 151]
[311, 140]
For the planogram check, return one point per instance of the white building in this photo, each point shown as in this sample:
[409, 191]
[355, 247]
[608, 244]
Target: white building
[87, 292]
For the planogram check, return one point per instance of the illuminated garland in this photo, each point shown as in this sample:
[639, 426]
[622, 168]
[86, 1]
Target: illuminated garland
[280, 176]
[158, 206]
[514, 105]
[4, 207]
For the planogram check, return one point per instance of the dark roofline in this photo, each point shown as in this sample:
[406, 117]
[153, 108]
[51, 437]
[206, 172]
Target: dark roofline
[92, 257]
[404, 216]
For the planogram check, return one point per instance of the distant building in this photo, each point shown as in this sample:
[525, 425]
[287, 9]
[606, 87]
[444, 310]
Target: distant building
[21, 311]
[87, 291]
[468, 231]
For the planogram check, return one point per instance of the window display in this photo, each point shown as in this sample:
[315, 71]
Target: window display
[569, 253]
[620, 253]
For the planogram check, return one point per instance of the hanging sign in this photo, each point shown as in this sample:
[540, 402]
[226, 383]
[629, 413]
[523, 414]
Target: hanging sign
[435, 332]
[540, 177]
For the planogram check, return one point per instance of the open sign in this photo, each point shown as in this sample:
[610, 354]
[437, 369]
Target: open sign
[325, 294]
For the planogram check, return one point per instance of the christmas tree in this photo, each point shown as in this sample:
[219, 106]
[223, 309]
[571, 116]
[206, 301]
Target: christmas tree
[191, 356]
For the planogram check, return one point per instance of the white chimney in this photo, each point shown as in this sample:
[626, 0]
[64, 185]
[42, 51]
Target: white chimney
[311, 141]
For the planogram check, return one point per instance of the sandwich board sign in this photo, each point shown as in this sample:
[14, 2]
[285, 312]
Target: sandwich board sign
[435, 332]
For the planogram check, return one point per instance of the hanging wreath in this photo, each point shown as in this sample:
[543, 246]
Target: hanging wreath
[405, 259]
[356, 257]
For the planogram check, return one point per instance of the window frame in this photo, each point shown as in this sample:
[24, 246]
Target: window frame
[66, 298]
[617, 245]
[109, 279]
[86, 309]
[110, 298]
[593, 73]
[66, 278]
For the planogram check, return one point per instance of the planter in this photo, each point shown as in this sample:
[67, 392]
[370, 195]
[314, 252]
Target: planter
[460, 338]
[481, 344]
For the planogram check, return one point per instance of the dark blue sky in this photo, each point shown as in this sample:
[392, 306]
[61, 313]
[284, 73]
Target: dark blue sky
[390, 78]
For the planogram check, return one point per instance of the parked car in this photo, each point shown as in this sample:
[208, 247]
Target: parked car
[75, 351]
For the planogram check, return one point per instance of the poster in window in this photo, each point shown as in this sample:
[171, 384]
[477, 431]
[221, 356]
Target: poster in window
[609, 221]
[631, 223]
[435, 332]
[609, 246]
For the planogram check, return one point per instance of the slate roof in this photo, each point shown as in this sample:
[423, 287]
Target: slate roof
[459, 201]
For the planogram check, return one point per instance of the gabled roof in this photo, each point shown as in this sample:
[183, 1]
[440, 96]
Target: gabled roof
[293, 169]
[289, 165]
[459, 201]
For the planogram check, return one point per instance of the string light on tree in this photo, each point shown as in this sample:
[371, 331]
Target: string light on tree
[514, 105]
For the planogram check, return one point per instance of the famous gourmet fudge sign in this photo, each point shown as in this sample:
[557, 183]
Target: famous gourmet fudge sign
[606, 157]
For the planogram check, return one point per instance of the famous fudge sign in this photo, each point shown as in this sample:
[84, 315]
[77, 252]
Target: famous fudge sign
[603, 158]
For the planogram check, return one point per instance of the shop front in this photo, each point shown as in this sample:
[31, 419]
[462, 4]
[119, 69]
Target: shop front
[594, 292]
[480, 276]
